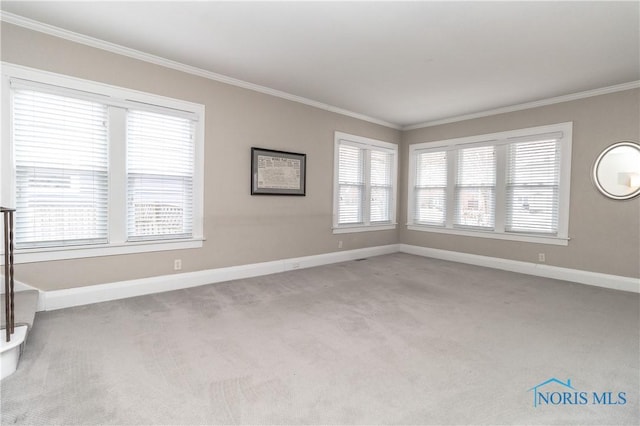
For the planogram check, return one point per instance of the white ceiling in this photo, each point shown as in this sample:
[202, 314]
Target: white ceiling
[400, 62]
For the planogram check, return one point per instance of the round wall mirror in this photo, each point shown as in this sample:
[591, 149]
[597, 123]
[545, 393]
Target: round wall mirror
[616, 172]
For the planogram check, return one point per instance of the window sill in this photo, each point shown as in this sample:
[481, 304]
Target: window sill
[77, 252]
[558, 241]
[346, 229]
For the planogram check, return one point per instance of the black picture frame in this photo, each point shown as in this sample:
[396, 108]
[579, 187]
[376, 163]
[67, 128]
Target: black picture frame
[278, 172]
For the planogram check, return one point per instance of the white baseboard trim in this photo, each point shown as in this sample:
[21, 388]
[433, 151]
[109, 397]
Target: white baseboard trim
[59, 299]
[615, 282]
[66, 298]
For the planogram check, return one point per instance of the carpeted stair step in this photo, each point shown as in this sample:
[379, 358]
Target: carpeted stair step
[25, 305]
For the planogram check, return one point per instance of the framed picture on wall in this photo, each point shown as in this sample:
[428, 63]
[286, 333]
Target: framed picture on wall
[278, 172]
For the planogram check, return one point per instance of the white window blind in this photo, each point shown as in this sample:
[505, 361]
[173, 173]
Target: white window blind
[512, 185]
[95, 170]
[351, 184]
[533, 176]
[160, 175]
[381, 186]
[364, 184]
[60, 146]
[475, 187]
[430, 190]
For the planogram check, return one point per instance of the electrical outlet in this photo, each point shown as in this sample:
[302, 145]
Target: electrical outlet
[177, 264]
[340, 244]
[542, 257]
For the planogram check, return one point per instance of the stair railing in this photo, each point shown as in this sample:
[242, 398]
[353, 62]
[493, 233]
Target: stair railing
[7, 214]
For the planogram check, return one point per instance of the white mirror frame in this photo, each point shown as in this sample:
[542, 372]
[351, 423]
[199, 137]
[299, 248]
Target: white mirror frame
[633, 175]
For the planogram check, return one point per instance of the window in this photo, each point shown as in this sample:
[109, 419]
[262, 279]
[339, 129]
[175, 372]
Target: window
[98, 169]
[160, 162]
[431, 188]
[475, 188]
[61, 169]
[351, 184]
[364, 184]
[510, 185]
[533, 183]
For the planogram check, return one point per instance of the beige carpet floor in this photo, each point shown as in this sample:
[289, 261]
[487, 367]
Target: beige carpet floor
[395, 339]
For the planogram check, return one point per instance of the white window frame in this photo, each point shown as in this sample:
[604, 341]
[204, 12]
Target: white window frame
[366, 144]
[118, 98]
[501, 141]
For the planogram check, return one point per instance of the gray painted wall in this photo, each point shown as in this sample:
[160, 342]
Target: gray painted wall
[605, 234]
[241, 229]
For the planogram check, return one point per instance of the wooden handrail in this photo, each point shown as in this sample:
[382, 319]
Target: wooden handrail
[7, 214]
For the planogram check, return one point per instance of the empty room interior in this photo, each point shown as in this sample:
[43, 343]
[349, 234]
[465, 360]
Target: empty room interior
[320, 212]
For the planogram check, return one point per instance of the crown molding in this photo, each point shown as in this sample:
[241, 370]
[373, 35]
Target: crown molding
[31, 24]
[168, 63]
[529, 105]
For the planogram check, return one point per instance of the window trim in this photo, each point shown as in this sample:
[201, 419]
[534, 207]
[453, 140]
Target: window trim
[500, 138]
[121, 98]
[364, 142]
